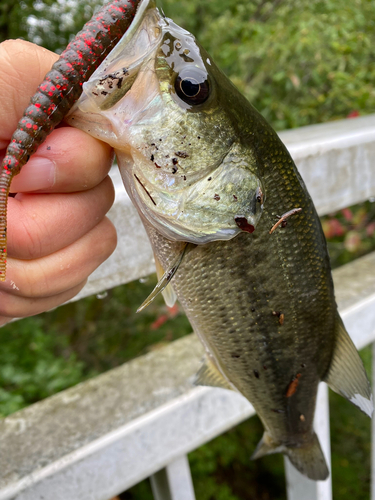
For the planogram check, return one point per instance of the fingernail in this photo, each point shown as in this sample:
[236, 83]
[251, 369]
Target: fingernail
[38, 174]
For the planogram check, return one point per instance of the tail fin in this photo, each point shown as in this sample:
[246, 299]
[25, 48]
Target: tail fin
[347, 375]
[307, 459]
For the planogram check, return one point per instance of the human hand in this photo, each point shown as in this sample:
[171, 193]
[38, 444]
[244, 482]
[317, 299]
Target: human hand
[57, 230]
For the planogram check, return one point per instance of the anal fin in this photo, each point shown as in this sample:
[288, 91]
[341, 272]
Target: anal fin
[347, 375]
[208, 374]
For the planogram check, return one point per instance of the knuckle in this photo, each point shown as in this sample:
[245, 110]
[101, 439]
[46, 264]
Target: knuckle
[9, 306]
[108, 192]
[4, 305]
[109, 241]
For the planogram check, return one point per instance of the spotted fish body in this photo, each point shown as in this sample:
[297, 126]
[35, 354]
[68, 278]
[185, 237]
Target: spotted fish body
[57, 93]
[210, 178]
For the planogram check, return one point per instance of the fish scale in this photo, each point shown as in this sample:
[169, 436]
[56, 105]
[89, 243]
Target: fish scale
[231, 288]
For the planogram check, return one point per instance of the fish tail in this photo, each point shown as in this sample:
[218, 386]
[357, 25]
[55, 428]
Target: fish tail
[346, 374]
[308, 459]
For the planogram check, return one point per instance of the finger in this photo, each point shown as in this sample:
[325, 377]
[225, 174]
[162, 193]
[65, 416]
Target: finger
[69, 160]
[41, 224]
[21, 307]
[61, 271]
[23, 67]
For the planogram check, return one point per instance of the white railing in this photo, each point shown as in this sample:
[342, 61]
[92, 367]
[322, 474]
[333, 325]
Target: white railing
[101, 437]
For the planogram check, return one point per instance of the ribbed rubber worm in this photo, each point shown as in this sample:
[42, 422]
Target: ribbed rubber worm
[56, 95]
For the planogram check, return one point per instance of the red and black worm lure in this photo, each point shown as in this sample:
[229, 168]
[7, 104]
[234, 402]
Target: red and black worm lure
[58, 92]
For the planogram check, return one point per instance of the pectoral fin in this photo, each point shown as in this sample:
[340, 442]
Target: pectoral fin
[347, 375]
[208, 374]
[168, 293]
[165, 279]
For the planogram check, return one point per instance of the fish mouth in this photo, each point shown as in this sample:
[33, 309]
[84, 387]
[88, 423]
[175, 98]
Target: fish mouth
[115, 77]
[183, 196]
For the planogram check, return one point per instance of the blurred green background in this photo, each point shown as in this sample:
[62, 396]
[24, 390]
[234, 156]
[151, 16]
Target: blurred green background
[299, 62]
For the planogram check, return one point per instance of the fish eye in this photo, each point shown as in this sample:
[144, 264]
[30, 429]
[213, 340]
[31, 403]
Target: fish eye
[192, 86]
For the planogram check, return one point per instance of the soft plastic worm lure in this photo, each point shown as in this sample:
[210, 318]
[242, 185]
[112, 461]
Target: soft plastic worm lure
[56, 95]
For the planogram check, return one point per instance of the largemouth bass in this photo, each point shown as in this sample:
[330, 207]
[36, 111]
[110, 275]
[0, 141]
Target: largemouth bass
[234, 231]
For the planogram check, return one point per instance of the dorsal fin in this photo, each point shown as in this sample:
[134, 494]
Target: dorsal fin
[347, 375]
[208, 374]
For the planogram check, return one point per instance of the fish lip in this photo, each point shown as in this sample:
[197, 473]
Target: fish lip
[90, 106]
[128, 36]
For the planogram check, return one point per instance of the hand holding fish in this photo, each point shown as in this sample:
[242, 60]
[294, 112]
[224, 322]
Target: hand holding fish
[57, 218]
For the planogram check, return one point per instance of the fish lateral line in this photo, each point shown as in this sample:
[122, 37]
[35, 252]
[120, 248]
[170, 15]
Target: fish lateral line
[283, 218]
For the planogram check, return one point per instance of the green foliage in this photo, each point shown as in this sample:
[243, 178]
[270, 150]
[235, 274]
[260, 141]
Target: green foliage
[49, 23]
[34, 364]
[298, 62]
[10, 16]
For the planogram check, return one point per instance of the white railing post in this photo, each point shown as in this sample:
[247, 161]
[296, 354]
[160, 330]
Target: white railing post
[173, 482]
[298, 486]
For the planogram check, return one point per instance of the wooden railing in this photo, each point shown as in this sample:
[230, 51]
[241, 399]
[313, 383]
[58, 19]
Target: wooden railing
[140, 420]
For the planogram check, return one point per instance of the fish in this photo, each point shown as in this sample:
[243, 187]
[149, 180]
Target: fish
[234, 231]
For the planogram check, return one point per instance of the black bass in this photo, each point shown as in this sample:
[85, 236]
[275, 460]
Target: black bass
[234, 231]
